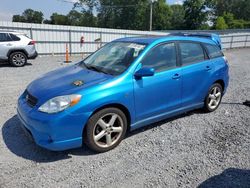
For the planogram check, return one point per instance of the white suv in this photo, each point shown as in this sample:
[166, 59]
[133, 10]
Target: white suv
[16, 48]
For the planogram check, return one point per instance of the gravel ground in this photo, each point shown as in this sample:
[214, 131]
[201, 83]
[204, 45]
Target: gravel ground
[192, 150]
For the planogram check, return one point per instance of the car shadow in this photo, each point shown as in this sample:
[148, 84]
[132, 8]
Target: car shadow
[229, 178]
[18, 143]
[232, 103]
[9, 65]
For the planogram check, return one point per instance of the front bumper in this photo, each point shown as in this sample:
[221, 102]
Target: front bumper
[55, 132]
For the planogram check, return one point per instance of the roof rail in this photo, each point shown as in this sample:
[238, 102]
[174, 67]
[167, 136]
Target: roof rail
[212, 36]
[10, 31]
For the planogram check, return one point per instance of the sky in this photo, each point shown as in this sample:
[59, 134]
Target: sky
[8, 8]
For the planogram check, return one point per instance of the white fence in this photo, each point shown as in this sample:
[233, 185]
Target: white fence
[52, 39]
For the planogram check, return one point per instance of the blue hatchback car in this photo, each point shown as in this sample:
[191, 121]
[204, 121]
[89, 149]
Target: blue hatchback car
[127, 84]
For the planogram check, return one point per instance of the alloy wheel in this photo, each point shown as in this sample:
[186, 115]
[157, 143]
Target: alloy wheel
[214, 98]
[108, 130]
[19, 59]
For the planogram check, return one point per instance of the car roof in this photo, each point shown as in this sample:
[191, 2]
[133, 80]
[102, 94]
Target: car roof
[158, 39]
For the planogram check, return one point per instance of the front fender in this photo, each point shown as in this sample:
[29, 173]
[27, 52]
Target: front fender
[119, 92]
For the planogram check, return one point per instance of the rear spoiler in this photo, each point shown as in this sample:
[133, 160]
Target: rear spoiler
[214, 37]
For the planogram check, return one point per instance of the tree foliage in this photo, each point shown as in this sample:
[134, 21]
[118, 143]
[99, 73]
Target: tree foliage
[134, 14]
[195, 13]
[162, 20]
[29, 16]
[221, 24]
[177, 18]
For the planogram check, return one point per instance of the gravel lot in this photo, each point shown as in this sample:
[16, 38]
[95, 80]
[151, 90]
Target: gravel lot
[195, 149]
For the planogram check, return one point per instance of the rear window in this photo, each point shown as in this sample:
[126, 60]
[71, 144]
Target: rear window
[191, 53]
[213, 51]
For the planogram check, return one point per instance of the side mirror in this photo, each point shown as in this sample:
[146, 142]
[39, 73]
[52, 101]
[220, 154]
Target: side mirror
[144, 72]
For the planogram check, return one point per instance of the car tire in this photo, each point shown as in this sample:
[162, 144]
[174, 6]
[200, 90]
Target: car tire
[213, 98]
[18, 59]
[105, 129]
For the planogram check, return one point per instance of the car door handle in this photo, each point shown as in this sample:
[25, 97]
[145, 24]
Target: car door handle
[176, 76]
[208, 68]
[9, 44]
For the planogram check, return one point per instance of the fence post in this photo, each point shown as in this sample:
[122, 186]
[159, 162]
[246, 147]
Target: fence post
[70, 43]
[31, 33]
[100, 39]
[246, 41]
[231, 44]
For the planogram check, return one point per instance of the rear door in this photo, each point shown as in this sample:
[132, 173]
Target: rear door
[196, 73]
[6, 43]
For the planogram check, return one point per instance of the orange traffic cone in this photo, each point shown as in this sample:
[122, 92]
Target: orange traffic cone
[67, 55]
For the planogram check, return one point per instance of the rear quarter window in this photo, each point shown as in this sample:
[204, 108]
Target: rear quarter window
[14, 37]
[213, 51]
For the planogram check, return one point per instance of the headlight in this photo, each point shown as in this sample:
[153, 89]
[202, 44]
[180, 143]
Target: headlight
[59, 104]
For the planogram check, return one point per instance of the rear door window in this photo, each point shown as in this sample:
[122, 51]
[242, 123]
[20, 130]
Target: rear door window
[213, 51]
[4, 37]
[191, 53]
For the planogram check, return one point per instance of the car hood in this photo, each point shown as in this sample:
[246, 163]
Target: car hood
[65, 81]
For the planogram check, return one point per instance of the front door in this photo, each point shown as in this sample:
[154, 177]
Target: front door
[161, 93]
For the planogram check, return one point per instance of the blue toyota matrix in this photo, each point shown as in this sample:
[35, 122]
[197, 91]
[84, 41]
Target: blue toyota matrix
[127, 84]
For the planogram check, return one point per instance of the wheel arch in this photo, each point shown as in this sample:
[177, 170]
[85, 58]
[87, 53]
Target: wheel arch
[119, 106]
[221, 82]
[17, 50]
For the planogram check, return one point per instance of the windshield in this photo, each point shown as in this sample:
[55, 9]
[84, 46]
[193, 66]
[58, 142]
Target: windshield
[114, 58]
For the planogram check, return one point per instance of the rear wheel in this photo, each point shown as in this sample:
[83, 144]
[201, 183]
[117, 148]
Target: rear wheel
[105, 129]
[18, 59]
[213, 98]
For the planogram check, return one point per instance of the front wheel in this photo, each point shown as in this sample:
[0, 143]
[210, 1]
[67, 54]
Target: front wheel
[105, 129]
[213, 98]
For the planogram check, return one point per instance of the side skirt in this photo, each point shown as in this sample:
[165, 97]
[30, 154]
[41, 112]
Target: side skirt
[163, 116]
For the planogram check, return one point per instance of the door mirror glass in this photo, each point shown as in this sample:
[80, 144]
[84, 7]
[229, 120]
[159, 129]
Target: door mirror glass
[144, 72]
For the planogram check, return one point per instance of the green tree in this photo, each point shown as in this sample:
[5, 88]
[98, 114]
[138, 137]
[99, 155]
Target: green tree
[29, 16]
[87, 8]
[59, 19]
[195, 13]
[75, 18]
[177, 18]
[124, 14]
[241, 9]
[229, 19]
[221, 24]
[18, 18]
[162, 14]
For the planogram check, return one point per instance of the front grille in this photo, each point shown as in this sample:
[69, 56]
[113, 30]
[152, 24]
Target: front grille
[31, 100]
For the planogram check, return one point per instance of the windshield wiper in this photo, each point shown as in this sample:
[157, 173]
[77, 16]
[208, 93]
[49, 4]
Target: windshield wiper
[97, 69]
[84, 64]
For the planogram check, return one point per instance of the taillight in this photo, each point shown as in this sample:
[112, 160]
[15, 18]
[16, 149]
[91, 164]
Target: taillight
[32, 42]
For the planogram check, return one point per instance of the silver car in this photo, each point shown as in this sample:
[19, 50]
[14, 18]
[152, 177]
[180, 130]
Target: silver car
[16, 48]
